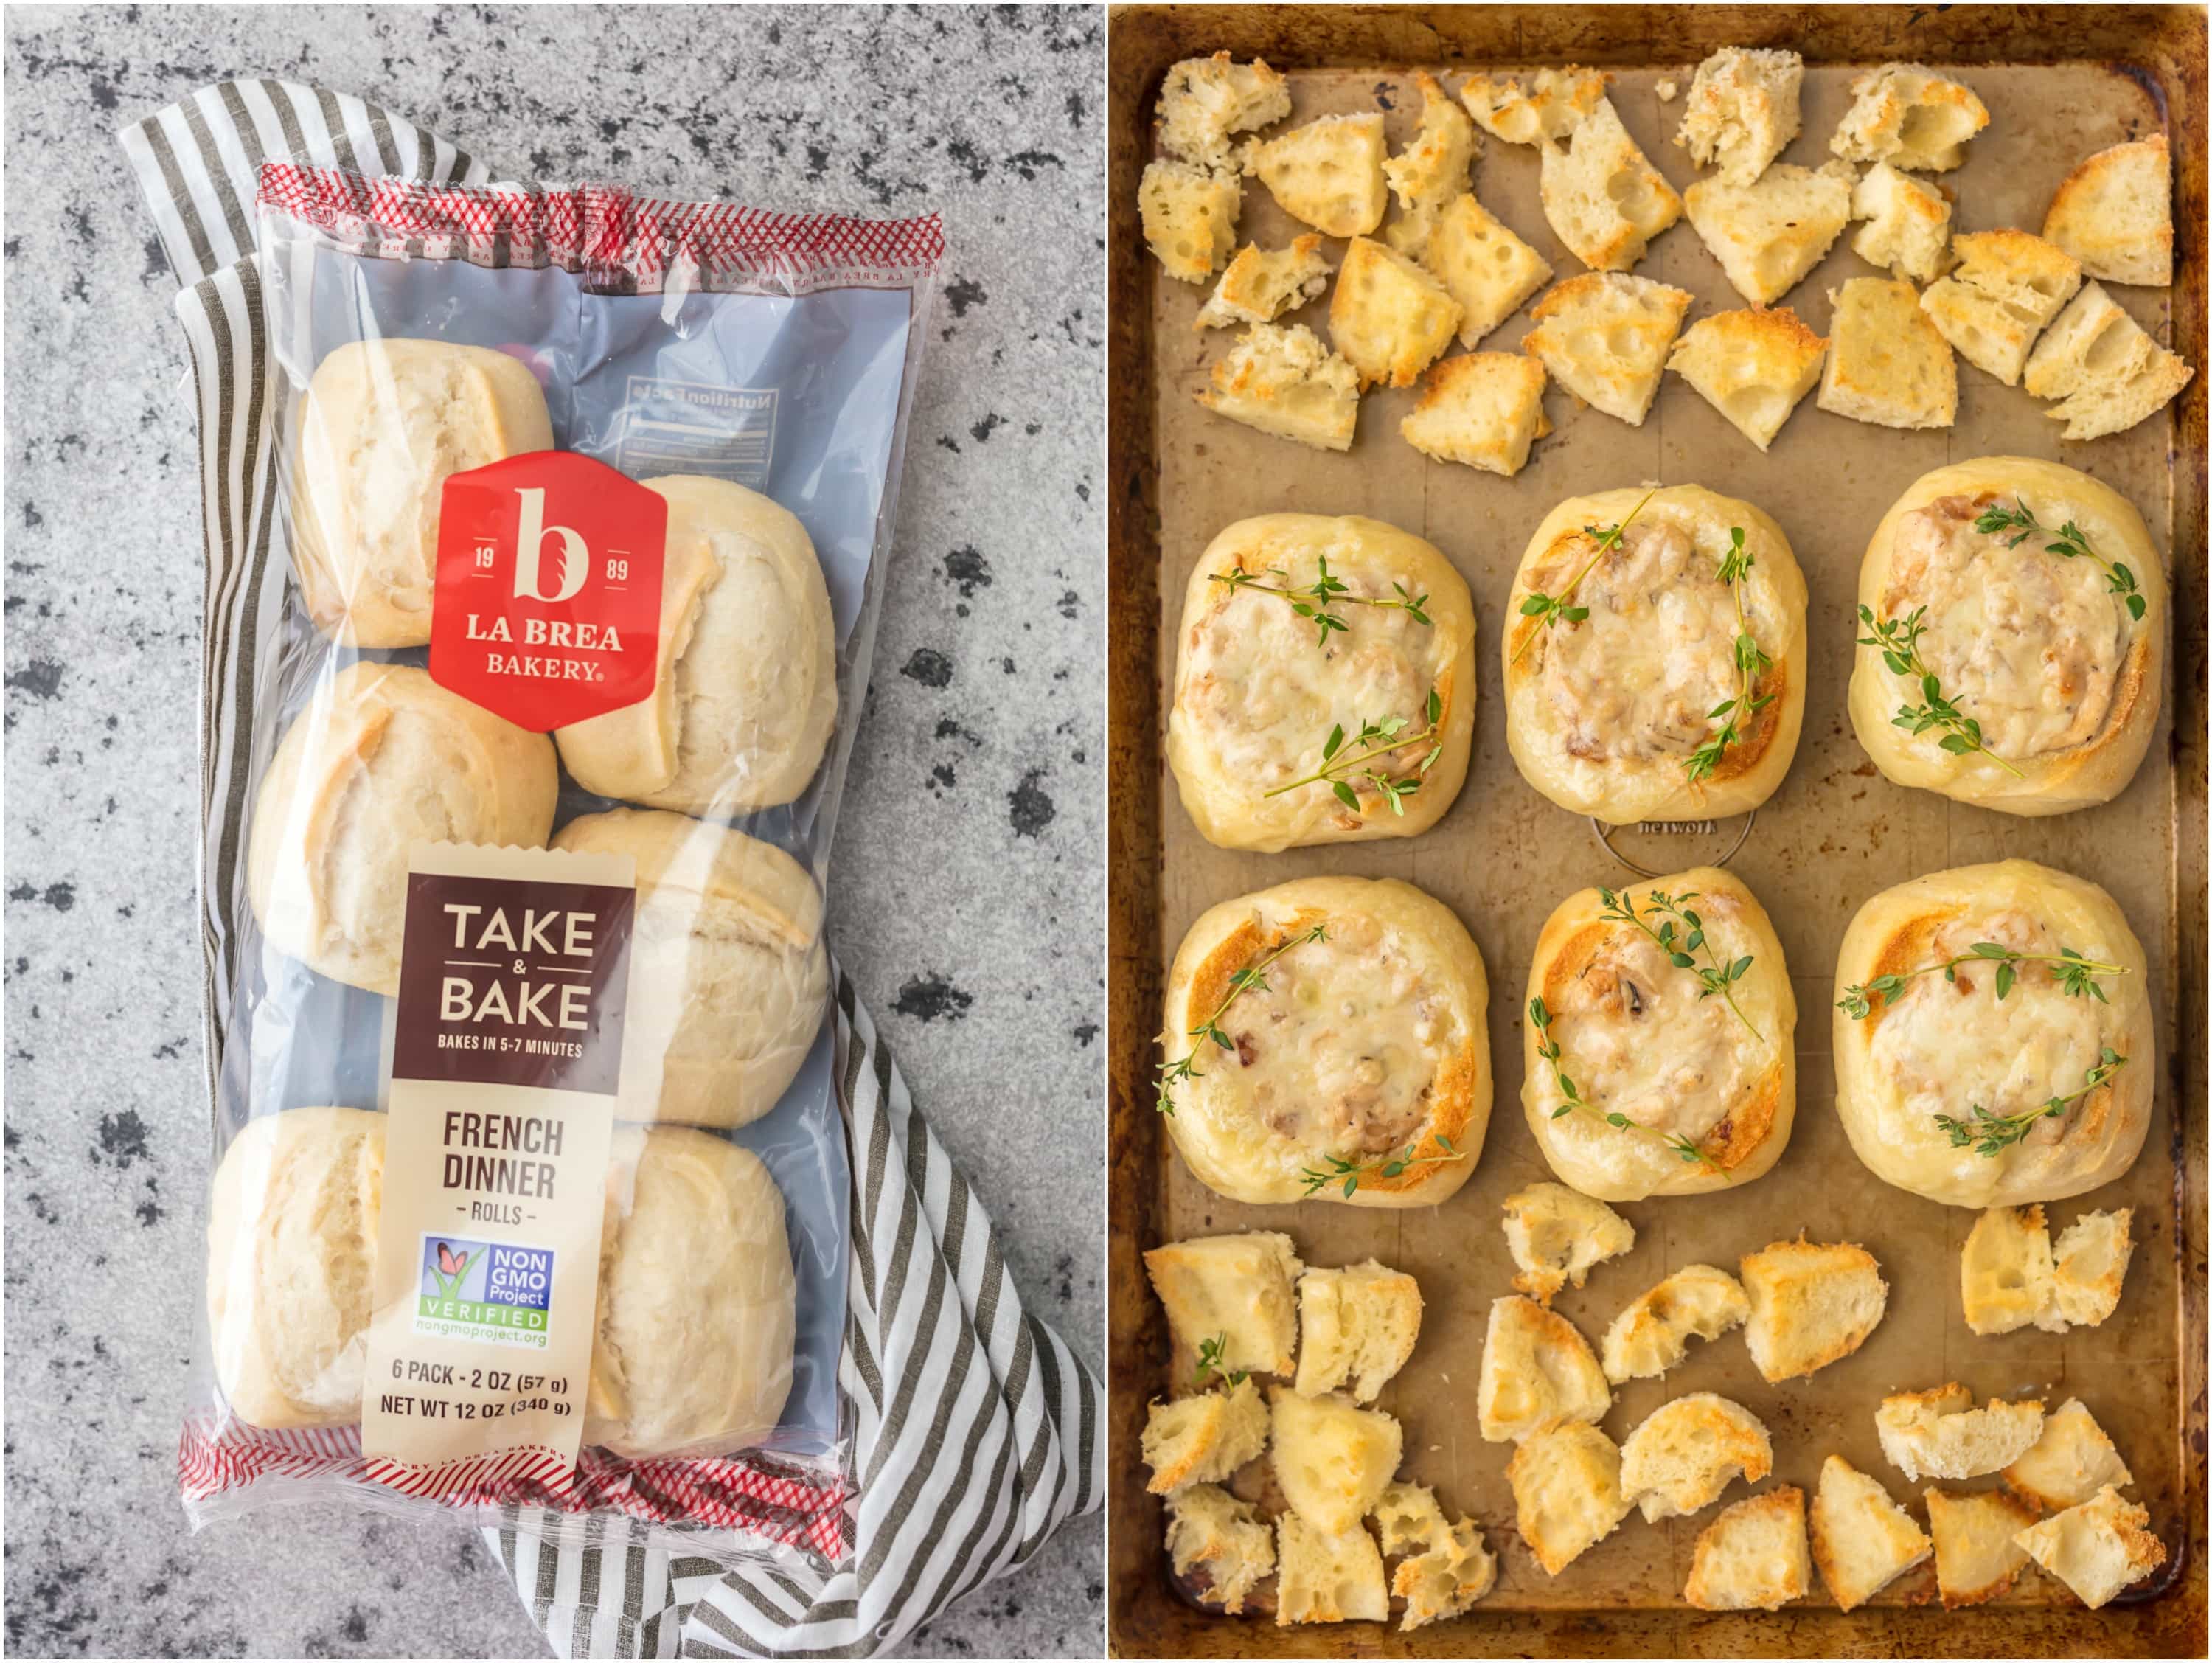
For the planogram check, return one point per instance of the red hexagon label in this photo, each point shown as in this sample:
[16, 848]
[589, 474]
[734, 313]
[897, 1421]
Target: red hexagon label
[547, 609]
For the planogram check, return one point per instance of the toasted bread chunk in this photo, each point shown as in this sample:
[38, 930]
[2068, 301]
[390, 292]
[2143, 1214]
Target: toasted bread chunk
[1887, 363]
[1333, 1459]
[1911, 117]
[1908, 224]
[1204, 1438]
[1535, 1369]
[1389, 317]
[2070, 1462]
[1741, 110]
[1204, 99]
[1603, 198]
[2092, 1257]
[1328, 1576]
[1482, 265]
[2005, 1271]
[1409, 1520]
[1653, 1334]
[1554, 104]
[1328, 173]
[1752, 367]
[1862, 1541]
[2096, 1549]
[2106, 371]
[1938, 1434]
[1261, 284]
[1566, 1491]
[1283, 380]
[2114, 213]
[1556, 1234]
[1811, 1305]
[1688, 1452]
[1238, 1287]
[1483, 409]
[1769, 233]
[1753, 1557]
[1189, 216]
[1357, 1327]
[1604, 337]
[2007, 286]
[1976, 1558]
[1433, 169]
[1446, 1580]
[1211, 1533]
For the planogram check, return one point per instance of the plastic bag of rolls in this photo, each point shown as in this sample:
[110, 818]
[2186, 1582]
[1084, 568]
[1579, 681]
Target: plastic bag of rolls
[530, 1190]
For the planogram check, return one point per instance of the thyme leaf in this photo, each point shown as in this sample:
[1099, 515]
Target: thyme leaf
[1344, 762]
[1347, 1173]
[2067, 542]
[1550, 611]
[1680, 934]
[1573, 1102]
[1897, 641]
[1991, 1133]
[1209, 1361]
[1253, 975]
[1736, 712]
[1313, 602]
[2076, 975]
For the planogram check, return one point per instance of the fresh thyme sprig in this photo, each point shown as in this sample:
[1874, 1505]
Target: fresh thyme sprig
[1548, 1049]
[2076, 974]
[1340, 763]
[1351, 1171]
[1750, 662]
[1312, 601]
[1898, 640]
[1254, 975]
[1209, 1362]
[2068, 543]
[1989, 1133]
[1717, 975]
[1550, 611]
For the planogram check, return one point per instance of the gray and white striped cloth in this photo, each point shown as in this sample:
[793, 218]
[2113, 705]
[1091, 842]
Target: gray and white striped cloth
[977, 1429]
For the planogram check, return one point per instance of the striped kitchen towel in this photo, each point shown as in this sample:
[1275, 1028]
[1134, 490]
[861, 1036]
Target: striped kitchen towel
[977, 1429]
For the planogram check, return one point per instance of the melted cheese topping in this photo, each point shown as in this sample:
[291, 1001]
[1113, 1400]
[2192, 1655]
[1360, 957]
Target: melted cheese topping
[2029, 643]
[1636, 1040]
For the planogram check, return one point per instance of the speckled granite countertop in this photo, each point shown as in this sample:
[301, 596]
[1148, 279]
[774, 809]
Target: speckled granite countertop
[967, 887]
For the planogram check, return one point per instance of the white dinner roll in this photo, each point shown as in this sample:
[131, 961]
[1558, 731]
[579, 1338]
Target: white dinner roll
[2037, 648]
[697, 1301]
[1349, 1051]
[1259, 688]
[1640, 1036]
[1950, 1046]
[745, 695]
[382, 424]
[292, 1224]
[728, 976]
[381, 759]
[1604, 714]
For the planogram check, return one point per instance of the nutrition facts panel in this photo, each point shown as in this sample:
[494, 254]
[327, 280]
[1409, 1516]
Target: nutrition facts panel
[690, 427]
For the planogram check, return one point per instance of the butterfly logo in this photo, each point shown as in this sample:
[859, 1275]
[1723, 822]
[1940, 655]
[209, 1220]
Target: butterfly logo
[452, 1267]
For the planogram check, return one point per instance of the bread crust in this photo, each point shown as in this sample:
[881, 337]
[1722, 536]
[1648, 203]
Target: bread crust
[2081, 216]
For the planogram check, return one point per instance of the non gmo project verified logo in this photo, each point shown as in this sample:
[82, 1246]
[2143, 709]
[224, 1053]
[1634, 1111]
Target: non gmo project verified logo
[484, 1290]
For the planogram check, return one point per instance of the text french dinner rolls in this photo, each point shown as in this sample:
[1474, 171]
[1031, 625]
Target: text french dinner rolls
[1641, 1037]
[1259, 688]
[728, 971]
[382, 424]
[381, 759]
[1605, 714]
[1943, 1085]
[744, 697]
[1362, 1040]
[2042, 650]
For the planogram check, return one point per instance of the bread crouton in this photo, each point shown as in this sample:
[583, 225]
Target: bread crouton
[1653, 1334]
[1552, 105]
[1482, 264]
[1446, 1580]
[1261, 284]
[2005, 1272]
[1483, 409]
[1389, 317]
[1283, 380]
[1189, 217]
[2107, 372]
[1218, 1544]
[1938, 1434]
[1357, 1327]
[2114, 213]
[1908, 224]
[1565, 1477]
[1235, 1288]
[1604, 337]
[1204, 1438]
[1769, 233]
[2093, 1255]
[2008, 286]
[1409, 1520]
[1911, 117]
[1862, 1541]
[1328, 1576]
[1742, 110]
[1976, 1558]
[1332, 1460]
[2070, 1463]
[1328, 173]
[1204, 99]
[1887, 363]
[2096, 1549]
[1433, 169]
[1535, 1369]
[1603, 198]
[1556, 1234]
[1753, 366]
[1753, 1557]
[1811, 1305]
[1688, 1452]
